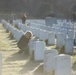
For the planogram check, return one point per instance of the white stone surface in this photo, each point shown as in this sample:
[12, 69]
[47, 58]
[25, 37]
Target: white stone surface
[75, 73]
[10, 28]
[18, 25]
[14, 32]
[51, 38]
[37, 34]
[49, 60]
[53, 29]
[43, 35]
[57, 30]
[31, 45]
[60, 39]
[32, 29]
[64, 31]
[50, 20]
[69, 45]
[19, 34]
[39, 48]
[71, 33]
[63, 65]
[23, 27]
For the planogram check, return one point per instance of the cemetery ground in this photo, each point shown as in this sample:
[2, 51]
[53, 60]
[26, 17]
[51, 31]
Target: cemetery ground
[14, 63]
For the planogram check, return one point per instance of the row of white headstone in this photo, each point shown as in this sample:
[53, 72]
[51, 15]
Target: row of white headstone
[56, 28]
[63, 27]
[61, 40]
[15, 32]
[61, 24]
[61, 64]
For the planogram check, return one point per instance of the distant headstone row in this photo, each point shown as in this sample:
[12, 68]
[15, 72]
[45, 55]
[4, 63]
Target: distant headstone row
[61, 37]
[60, 31]
[63, 33]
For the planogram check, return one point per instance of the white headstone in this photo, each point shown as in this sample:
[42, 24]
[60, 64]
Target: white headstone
[50, 21]
[48, 28]
[51, 38]
[49, 60]
[31, 45]
[60, 39]
[69, 45]
[39, 48]
[10, 28]
[43, 35]
[64, 31]
[18, 25]
[75, 73]
[23, 27]
[71, 33]
[19, 34]
[53, 29]
[14, 32]
[63, 65]
[57, 30]
[37, 34]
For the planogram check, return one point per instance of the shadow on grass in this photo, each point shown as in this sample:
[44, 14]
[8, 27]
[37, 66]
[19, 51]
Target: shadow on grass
[73, 54]
[39, 70]
[32, 67]
[17, 57]
[74, 66]
[60, 49]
